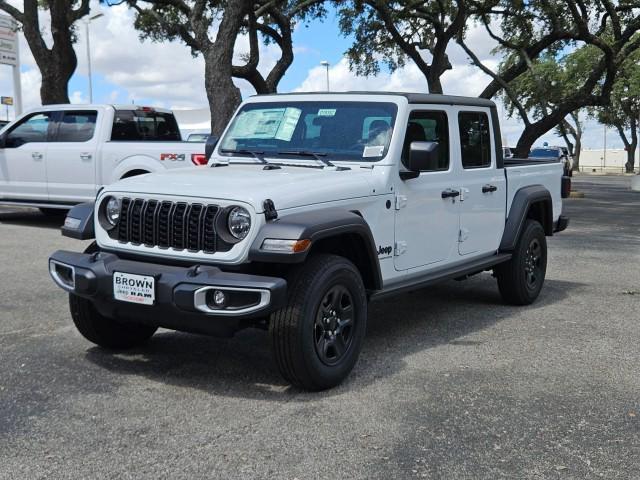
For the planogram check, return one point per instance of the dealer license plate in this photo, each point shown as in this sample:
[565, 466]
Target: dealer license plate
[128, 287]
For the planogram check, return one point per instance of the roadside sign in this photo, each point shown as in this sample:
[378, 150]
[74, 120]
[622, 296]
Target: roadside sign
[8, 41]
[6, 100]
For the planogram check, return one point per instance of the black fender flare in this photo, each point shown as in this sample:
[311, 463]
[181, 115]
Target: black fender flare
[522, 202]
[315, 226]
[79, 222]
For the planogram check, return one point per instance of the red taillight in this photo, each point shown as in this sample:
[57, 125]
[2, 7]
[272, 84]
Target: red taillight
[147, 109]
[199, 159]
[565, 189]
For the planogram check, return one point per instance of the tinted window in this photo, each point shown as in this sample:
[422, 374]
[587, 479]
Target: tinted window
[77, 126]
[356, 131]
[475, 140]
[32, 129]
[134, 125]
[429, 127]
[544, 153]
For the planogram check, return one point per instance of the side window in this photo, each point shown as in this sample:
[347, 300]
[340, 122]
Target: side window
[428, 127]
[77, 126]
[34, 128]
[475, 139]
[134, 125]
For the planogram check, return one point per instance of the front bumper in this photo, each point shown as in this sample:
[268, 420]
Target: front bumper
[181, 294]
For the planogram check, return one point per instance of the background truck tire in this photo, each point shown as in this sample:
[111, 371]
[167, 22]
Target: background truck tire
[104, 331]
[520, 279]
[53, 212]
[317, 337]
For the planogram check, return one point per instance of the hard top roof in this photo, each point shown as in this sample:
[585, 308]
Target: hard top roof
[427, 98]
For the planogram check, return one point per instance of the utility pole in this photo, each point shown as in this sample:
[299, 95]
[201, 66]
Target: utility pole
[325, 64]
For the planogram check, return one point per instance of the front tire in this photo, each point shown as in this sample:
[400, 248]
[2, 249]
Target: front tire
[521, 278]
[104, 331]
[317, 337]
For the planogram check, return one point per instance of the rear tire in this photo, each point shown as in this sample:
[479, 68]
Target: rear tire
[104, 331]
[521, 278]
[317, 337]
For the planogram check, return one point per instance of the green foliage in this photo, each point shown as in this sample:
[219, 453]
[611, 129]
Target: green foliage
[374, 46]
[624, 109]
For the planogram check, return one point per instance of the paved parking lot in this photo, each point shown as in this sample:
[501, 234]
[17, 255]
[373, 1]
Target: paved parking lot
[451, 383]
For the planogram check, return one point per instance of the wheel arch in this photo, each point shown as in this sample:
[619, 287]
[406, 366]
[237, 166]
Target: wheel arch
[337, 231]
[531, 202]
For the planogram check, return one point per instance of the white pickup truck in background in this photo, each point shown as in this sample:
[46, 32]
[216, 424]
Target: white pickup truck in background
[60, 155]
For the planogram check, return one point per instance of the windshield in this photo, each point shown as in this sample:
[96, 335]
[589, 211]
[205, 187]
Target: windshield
[544, 153]
[352, 131]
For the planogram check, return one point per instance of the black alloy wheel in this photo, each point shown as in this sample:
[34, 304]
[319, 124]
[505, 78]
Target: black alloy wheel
[333, 329]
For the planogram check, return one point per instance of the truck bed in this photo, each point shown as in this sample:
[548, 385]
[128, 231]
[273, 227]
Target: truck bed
[524, 172]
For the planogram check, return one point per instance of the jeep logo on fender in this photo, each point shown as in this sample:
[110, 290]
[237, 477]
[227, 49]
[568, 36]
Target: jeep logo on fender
[384, 250]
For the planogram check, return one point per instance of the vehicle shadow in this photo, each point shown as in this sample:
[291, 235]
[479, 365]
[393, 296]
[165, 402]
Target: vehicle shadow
[243, 366]
[30, 217]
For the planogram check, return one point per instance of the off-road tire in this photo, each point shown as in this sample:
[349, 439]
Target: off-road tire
[296, 334]
[529, 262]
[104, 331]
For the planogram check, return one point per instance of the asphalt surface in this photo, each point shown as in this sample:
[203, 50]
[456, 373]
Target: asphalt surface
[451, 383]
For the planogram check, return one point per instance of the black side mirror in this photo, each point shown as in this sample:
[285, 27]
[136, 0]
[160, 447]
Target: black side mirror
[423, 156]
[3, 140]
[210, 146]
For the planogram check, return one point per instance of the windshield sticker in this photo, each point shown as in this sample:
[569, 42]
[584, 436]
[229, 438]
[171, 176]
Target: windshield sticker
[288, 124]
[327, 112]
[375, 151]
[278, 123]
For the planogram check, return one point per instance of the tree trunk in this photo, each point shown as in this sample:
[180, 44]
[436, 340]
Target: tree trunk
[54, 86]
[631, 148]
[224, 97]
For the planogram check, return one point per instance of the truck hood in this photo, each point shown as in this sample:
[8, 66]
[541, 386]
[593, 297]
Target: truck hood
[288, 187]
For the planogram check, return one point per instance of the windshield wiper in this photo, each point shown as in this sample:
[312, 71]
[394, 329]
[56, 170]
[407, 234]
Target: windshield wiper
[255, 154]
[316, 155]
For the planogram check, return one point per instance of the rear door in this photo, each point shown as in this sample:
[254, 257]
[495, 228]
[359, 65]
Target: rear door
[71, 157]
[426, 223]
[23, 174]
[482, 185]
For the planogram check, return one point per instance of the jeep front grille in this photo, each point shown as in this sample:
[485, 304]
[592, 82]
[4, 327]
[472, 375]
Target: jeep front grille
[176, 225]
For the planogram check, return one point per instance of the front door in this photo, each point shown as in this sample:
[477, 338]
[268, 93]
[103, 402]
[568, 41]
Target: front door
[483, 188]
[71, 158]
[426, 223]
[23, 174]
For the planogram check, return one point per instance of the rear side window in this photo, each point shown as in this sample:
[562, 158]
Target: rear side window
[34, 128]
[77, 126]
[475, 139]
[428, 127]
[136, 125]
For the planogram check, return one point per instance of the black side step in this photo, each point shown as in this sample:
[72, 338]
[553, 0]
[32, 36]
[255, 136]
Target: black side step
[441, 275]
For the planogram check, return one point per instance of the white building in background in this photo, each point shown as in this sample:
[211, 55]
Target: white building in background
[193, 120]
[611, 160]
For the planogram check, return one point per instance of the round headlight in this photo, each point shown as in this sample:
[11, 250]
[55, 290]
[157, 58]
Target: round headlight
[112, 210]
[239, 222]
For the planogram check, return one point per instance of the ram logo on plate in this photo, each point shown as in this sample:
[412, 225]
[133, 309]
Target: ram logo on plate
[128, 287]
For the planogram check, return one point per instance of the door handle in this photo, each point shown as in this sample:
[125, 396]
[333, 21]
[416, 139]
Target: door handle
[489, 188]
[36, 156]
[85, 156]
[450, 193]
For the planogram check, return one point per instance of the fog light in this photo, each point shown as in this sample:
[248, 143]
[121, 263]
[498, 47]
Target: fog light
[219, 298]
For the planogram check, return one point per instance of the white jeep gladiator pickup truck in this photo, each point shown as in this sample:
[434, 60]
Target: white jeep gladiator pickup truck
[312, 206]
[60, 155]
